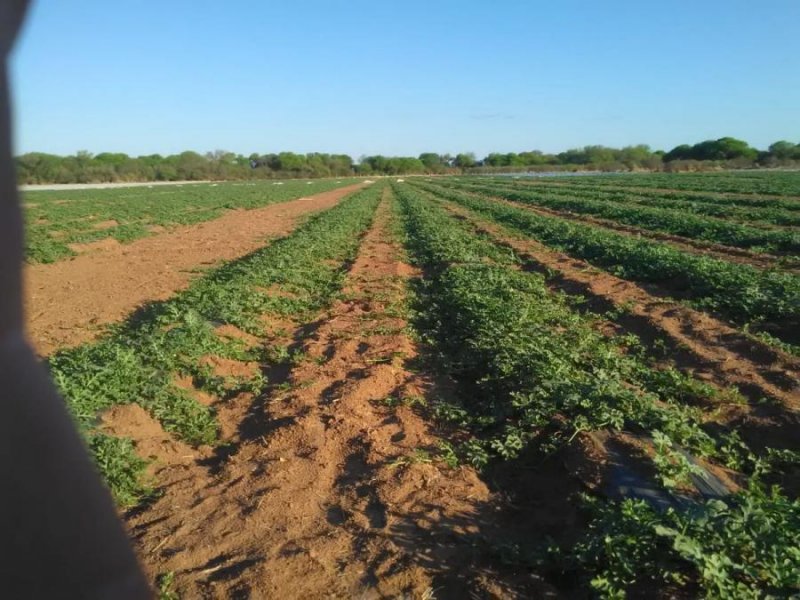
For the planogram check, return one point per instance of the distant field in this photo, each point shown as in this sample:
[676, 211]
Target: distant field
[779, 183]
[59, 219]
[555, 387]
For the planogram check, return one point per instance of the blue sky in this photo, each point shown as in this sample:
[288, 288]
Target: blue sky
[400, 78]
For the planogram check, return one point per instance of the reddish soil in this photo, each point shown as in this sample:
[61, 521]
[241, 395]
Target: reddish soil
[106, 244]
[326, 490]
[109, 224]
[152, 442]
[710, 349]
[68, 302]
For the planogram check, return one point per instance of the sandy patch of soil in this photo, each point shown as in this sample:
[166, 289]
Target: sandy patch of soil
[106, 244]
[109, 224]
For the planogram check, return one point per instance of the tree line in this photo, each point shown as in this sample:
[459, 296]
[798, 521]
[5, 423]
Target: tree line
[84, 167]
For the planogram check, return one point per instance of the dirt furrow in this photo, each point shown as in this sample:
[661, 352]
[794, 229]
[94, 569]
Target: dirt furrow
[68, 302]
[712, 350]
[328, 488]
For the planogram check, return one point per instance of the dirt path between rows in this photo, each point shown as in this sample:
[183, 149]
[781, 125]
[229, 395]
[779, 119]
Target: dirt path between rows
[68, 302]
[721, 354]
[328, 490]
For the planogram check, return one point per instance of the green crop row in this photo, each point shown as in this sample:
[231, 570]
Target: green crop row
[526, 353]
[744, 210]
[672, 221]
[139, 360]
[739, 292]
[56, 219]
[531, 370]
[788, 204]
[778, 183]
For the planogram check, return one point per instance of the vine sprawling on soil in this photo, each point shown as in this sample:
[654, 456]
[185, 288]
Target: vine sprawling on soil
[139, 361]
[533, 371]
[511, 398]
[58, 219]
[668, 220]
[740, 292]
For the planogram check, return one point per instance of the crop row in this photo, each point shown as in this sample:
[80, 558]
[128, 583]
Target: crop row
[790, 204]
[139, 361]
[772, 212]
[56, 219]
[740, 292]
[673, 221]
[778, 183]
[533, 372]
[537, 356]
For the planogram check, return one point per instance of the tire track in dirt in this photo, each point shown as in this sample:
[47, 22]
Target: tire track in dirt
[720, 251]
[326, 489]
[68, 302]
[703, 345]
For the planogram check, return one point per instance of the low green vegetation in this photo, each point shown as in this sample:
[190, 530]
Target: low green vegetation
[740, 292]
[741, 209]
[668, 220]
[778, 183]
[534, 375]
[140, 360]
[56, 219]
[742, 547]
[532, 372]
[525, 352]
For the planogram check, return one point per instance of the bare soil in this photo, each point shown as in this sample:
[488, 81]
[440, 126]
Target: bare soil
[325, 489]
[108, 224]
[68, 302]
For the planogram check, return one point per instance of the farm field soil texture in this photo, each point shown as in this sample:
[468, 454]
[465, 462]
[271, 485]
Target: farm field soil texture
[423, 391]
[65, 223]
[330, 489]
[69, 301]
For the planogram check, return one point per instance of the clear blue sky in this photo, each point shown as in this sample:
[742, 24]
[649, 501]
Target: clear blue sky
[400, 78]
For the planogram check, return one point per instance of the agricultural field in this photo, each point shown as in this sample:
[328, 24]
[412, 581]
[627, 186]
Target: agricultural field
[450, 387]
[62, 223]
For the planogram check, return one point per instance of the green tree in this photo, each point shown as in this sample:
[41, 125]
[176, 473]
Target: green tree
[784, 150]
[433, 162]
[465, 160]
